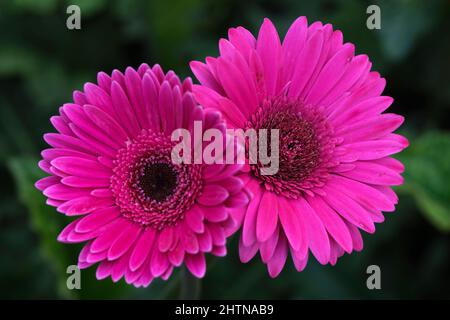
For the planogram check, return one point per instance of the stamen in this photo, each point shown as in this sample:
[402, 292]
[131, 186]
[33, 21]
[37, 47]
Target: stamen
[305, 145]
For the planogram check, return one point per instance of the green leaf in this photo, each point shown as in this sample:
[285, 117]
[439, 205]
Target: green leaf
[44, 219]
[88, 7]
[427, 176]
[40, 7]
[15, 60]
[403, 22]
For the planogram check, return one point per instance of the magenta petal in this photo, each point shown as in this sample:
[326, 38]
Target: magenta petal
[330, 74]
[105, 240]
[142, 249]
[299, 261]
[276, 264]
[194, 219]
[269, 48]
[80, 167]
[293, 44]
[189, 240]
[246, 253]
[104, 269]
[203, 74]
[106, 123]
[97, 219]
[79, 182]
[176, 256]
[212, 195]
[249, 228]
[62, 237]
[332, 222]
[205, 241]
[159, 263]
[374, 174]
[124, 241]
[267, 218]
[83, 205]
[364, 194]
[319, 241]
[349, 209]
[306, 63]
[217, 234]
[237, 200]
[214, 214]
[196, 264]
[267, 248]
[166, 239]
[291, 222]
[46, 182]
[120, 267]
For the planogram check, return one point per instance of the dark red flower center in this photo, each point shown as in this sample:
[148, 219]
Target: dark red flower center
[148, 187]
[304, 144]
[157, 181]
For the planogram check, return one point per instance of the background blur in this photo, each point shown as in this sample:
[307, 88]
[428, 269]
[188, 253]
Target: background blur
[42, 62]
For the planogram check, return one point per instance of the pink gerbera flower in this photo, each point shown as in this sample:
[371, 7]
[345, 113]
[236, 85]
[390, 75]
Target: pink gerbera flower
[111, 162]
[335, 173]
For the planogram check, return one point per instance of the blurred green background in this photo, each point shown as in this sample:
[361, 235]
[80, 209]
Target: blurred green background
[42, 62]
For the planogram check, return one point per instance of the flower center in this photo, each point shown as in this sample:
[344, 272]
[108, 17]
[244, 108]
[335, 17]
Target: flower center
[305, 145]
[148, 187]
[157, 181]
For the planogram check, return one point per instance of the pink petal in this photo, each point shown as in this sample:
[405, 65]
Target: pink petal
[212, 195]
[83, 205]
[142, 249]
[373, 173]
[206, 78]
[293, 44]
[176, 256]
[105, 240]
[249, 228]
[269, 49]
[267, 218]
[214, 214]
[97, 219]
[159, 263]
[196, 264]
[104, 121]
[217, 234]
[330, 74]
[292, 224]
[81, 167]
[189, 240]
[194, 219]
[205, 241]
[363, 193]
[278, 260]
[166, 239]
[124, 110]
[319, 242]
[46, 182]
[104, 269]
[124, 241]
[267, 248]
[306, 62]
[247, 253]
[349, 209]
[332, 222]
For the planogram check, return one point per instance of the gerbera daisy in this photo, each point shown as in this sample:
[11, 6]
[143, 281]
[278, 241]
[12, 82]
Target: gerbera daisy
[335, 170]
[111, 162]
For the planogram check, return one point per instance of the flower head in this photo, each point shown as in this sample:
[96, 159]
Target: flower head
[111, 162]
[335, 170]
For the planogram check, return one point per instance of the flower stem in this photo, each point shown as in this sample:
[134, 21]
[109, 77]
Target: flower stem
[190, 286]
